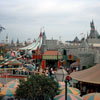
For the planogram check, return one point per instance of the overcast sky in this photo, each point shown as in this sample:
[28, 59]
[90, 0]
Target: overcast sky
[60, 18]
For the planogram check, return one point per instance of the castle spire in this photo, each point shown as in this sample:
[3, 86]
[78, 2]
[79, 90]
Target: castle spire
[92, 25]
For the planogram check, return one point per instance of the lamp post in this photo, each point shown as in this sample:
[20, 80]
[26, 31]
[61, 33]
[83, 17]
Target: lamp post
[65, 89]
[61, 76]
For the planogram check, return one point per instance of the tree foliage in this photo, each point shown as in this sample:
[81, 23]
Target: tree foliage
[37, 88]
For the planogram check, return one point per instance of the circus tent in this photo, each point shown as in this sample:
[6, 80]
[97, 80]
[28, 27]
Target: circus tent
[34, 45]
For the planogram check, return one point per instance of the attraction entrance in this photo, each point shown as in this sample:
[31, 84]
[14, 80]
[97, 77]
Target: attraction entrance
[51, 58]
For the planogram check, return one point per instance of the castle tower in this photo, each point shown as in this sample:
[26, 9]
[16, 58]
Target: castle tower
[17, 42]
[93, 32]
[43, 48]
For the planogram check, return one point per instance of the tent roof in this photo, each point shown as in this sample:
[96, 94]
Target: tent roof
[90, 75]
[13, 62]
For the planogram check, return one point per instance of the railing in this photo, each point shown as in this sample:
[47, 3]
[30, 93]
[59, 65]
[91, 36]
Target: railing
[10, 72]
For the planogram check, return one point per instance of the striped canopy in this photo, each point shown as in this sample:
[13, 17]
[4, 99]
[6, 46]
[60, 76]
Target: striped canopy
[70, 90]
[34, 45]
[8, 92]
[62, 84]
[92, 96]
[69, 97]
[12, 84]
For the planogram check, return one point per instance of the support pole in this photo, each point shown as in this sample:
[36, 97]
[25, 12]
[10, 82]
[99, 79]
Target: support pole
[65, 89]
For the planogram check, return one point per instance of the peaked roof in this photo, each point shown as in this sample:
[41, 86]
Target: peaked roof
[93, 31]
[84, 44]
[90, 75]
[76, 39]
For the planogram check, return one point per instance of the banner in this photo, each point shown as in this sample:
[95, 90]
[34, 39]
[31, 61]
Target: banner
[59, 64]
[43, 64]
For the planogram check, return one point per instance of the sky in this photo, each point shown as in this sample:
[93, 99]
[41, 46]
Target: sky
[62, 19]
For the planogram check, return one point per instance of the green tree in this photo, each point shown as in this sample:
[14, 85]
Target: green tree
[37, 88]
[1, 96]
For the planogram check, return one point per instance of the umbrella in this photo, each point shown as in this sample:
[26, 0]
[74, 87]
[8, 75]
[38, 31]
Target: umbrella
[12, 84]
[69, 97]
[71, 90]
[8, 92]
[30, 67]
[62, 84]
[92, 96]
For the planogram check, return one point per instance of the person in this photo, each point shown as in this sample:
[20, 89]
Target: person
[71, 82]
[14, 72]
[84, 89]
[50, 72]
[77, 68]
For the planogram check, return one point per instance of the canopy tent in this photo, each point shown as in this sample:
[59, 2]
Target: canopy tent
[13, 62]
[92, 96]
[69, 97]
[7, 92]
[12, 84]
[34, 45]
[71, 90]
[90, 75]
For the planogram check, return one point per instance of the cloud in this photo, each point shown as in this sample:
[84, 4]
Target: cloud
[66, 18]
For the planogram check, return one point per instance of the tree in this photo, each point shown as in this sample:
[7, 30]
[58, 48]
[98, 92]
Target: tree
[1, 28]
[37, 88]
[1, 96]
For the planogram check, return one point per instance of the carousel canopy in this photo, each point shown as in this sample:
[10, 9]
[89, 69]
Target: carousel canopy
[90, 75]
[13, 62]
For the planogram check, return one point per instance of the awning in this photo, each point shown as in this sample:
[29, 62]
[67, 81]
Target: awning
[90, 75]
[52, 55]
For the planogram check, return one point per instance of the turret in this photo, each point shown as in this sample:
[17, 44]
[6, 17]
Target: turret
[93, 32]
[43, 49]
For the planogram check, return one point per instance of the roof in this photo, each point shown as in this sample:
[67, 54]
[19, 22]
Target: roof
[84, 44]
[90, 75]
[52, 52]
[1, 44]
[76, 39]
